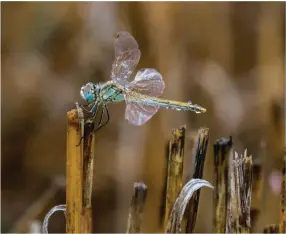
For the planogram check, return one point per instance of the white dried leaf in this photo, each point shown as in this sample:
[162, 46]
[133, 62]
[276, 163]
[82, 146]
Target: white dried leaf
[176, 216]
[49, 214]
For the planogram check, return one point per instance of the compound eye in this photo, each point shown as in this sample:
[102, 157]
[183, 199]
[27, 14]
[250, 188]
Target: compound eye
[87, 93]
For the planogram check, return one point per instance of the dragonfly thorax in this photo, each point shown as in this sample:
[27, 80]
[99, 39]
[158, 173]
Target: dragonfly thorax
[89, 92]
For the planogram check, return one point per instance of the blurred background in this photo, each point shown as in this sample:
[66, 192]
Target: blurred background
[226, 56]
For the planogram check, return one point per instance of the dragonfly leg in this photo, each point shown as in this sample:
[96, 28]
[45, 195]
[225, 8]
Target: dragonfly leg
[101, 124]
[90, 120]
[92, 107]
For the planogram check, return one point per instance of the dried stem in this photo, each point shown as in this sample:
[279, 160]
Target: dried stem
[202, 144]
[88, 159]
[136, 208]
[240, 203]
[74, 173]
[283, 197]
[222, 154]
[175, 169]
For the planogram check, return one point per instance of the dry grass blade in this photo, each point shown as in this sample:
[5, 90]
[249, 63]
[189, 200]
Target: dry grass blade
[202, 145]
[176, 217]
[137, 208]
[175, 169]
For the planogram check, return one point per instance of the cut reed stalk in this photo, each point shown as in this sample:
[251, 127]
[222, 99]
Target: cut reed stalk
[222, 155]
[201, 150]
[175, 170]
[88, 158]
[240, 203]
[74, 173]
[136, 208]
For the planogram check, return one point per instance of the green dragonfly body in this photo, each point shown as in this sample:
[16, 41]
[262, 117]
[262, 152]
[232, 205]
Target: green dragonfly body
[112, 93]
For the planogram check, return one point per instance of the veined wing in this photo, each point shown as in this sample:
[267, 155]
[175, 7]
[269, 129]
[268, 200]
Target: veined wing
[127, 56]
[136, 112]
[148, 82]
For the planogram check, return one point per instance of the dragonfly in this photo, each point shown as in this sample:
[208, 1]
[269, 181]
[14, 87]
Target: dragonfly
[142, 95]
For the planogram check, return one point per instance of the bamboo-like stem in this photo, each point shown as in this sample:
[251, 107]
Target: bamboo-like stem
[245, 218]
[175, 169]
[136, 208]
[202, 144]
[240, 203]
[222, 153]
[74, 173]
[282, 225]
[88, 158]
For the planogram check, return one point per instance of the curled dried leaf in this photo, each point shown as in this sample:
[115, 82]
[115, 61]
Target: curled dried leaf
[176, 216]
[49, 214]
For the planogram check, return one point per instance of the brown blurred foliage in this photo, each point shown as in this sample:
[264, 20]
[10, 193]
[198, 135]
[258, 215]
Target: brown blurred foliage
[225, 56]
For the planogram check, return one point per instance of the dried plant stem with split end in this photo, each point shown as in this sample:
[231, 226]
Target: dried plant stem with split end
[222, 154]
[88, 159]
[175, 169]
[176, 216]
[238, 214]
[201, 150]
[282, 225]
[246, 192]
[74, 173]
[136, 208]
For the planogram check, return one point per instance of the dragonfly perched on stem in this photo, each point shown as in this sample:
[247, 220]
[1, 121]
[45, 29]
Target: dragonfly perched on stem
[141, 95]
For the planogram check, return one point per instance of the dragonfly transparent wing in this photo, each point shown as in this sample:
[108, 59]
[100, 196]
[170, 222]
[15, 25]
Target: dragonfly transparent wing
[127, 56]
[124, 41]
[136, 112]
[148, 82]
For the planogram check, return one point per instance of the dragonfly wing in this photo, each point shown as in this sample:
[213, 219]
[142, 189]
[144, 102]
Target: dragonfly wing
[137, 113]
[127, 56]
[148, 82]
[124, 41]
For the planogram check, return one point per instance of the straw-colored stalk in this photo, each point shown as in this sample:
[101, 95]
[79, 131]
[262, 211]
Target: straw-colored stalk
[222, 155]
[79, 173]
[88, 158]
[136, 208]
[175, 169]
[74, 173]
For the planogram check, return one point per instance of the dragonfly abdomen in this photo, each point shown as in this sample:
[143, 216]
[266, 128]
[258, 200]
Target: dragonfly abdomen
[175, 105]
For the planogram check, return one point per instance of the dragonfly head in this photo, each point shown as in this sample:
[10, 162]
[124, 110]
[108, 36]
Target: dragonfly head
[89, 92]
